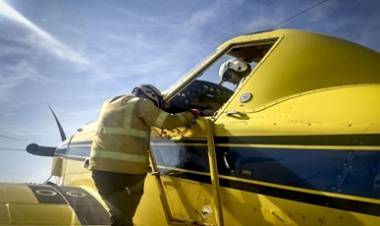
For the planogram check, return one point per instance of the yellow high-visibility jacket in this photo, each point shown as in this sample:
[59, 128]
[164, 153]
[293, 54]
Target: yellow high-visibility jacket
[123, 135]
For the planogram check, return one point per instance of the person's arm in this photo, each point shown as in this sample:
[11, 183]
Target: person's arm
[154, 116]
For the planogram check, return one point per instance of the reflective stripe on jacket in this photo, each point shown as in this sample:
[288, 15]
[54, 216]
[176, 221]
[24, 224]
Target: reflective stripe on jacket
[123, 134]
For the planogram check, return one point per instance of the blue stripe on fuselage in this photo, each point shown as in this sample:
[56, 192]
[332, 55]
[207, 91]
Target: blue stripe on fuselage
[352, 172]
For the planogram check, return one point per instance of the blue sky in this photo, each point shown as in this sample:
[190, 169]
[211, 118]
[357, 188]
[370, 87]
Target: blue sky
[75, 54]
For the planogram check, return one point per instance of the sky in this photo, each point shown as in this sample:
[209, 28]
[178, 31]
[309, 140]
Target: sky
[74, 55]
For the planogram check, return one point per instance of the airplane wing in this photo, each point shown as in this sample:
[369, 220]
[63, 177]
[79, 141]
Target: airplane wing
[31, 204]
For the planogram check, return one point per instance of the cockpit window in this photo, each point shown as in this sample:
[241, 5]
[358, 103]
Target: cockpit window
[208, 89]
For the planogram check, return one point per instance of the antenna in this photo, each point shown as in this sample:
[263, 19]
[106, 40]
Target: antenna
[11, 149]
[9, 138]
[300, 13]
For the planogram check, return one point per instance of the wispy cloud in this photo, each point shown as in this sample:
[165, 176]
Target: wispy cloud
[14, 75]
[214, 14]
[176, 48]
[39, 37]
[42, 37]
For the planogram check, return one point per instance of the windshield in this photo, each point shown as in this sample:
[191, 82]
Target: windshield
[193, 73]
[206, 88]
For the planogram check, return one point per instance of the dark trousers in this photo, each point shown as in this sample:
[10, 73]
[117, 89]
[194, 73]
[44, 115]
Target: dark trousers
[121, 192]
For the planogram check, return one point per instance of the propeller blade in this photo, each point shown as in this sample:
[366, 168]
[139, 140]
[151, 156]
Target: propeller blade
[61, 131]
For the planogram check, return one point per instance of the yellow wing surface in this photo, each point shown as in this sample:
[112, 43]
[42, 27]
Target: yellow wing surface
[23, 204]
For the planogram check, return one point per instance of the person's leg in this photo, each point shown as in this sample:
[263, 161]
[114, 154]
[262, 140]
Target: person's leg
[121, 192]
[135, 190]
[109, 187]
[106, 183]
[125, 203]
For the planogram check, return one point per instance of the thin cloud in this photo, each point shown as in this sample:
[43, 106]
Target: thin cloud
[13, 76]
[158, 57]
[205, 16]
[42, 37]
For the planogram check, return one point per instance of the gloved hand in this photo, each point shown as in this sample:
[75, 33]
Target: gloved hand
[196, 112]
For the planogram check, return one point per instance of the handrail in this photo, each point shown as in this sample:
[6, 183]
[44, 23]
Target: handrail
[161, 190]
[208, 125]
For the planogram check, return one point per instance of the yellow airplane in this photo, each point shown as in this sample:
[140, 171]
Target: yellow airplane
[295, 143]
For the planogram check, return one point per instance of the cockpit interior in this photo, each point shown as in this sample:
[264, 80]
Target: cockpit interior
[207, 91]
